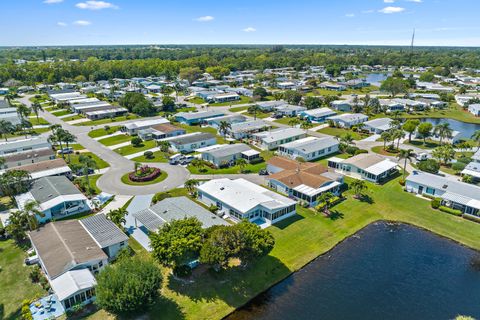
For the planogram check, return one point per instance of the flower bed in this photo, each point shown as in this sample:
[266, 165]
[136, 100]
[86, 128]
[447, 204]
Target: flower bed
[146, 174]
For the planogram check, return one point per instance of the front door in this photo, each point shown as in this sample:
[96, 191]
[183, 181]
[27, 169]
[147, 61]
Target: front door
[420, 190]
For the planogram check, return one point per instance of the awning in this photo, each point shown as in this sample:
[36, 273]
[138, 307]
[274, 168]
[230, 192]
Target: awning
[149, 219]
[71, 282]
[457, 198]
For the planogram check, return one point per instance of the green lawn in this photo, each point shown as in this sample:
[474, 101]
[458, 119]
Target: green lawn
[102, 132]
[61, 113]
[74, 159]
[197, 100]
[76, 146]
[380, 150]
[38, 122]
[260, 115]
[324, 160]
[341, 132]
[131, 149]
[158, 156]
[298, 241]
[93, 182]
[191, 129]
[158, 179]
[454, 111]
[238, 109]
[285, 120]
[111, 141]
[243, 100]
[429, 144]
[108, 120]
[249, 168]
[15, 283]
[71, 118]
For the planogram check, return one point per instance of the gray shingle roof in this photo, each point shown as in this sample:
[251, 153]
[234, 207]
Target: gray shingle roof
[47, 188]
[104, 231]
[175, 209]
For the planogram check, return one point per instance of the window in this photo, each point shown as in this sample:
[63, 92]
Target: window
[219, 205]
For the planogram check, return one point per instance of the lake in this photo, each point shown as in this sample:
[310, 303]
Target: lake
[386, 271]
[375, 79]
[466, 129]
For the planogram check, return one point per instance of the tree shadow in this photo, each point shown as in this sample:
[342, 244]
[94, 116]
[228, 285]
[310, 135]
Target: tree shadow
[366, 198]
[235, 286]
[288, 221]
[335, 215]
[11, 316]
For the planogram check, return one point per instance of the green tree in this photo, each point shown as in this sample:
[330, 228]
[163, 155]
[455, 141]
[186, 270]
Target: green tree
[136, 141]
[68, 138]
[429, 165]
[117, 216]
[427, 77]
[241, 163]
[358, 187]
[312, 102]
[294, 122]
[218, 72]
[305, 124]
[292, 97]
[405, 155]
[443, 131]
[191, 185]
[475, 137]
[168, 104]
[324, 201]
[444, 153]
[178, 242]
[6, 128]
[425, 130]
[87, 163]
[14, 182]
[260, 92]
[191, 74]
[36, 108]
[394, 86]
[410, 126]
[130, 285]
[224, 127]
[253, 109]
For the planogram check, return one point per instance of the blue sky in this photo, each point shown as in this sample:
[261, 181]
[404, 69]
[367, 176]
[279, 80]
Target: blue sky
[374, 22]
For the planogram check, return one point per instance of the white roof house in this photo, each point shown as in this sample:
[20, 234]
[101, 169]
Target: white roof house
[371, 167]
[270, 140]
[309, 148]
[72, 282]
[133, 127]
[378, 125]
[347, 120]
[474, 109]
[242, 199]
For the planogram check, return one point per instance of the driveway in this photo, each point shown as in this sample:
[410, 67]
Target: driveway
[138, 203]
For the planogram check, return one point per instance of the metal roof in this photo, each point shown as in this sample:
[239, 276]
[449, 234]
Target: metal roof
[104, 231]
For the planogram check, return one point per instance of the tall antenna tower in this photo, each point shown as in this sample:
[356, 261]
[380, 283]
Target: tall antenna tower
[413, 40]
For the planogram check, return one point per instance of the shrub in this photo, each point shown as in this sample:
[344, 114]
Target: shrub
[429, 165]
[44, 283]
[155, 172]
[360, 151]
[455, 212]
[182, 271]
[125, 253]
[148, 154]
[402, 182]
[35, 274]
[160, 196]
[213, 208]
[136, 141]
[256, 160]
[458, 166]
[351, 150]
[436, 202]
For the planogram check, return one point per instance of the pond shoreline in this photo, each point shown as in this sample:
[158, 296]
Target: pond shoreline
[376, 222]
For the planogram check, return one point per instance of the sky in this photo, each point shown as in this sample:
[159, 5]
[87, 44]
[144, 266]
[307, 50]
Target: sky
[362, 22]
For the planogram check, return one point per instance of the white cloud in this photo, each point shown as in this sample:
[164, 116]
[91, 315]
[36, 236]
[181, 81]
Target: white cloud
[350, 15]
[249, 29]
[389, 10]
[389, 1]
[204, 19]
[82, 23]
[62, 24]
[52, 1]
[95, 5]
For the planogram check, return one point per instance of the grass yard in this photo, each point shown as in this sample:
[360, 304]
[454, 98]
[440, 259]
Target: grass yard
[380, 150]
[243, 100]
[213, 296]
[238, 109]
[130, 116]
[196, 100]
[429, 144]
[260, 115]
[38, 122]
[249, 168]
[158, 156]
[102, 132]
[71, 118]
[111, 141]
[125, 179]
[454, 111]
[76, 146]
[15, 283]
[286, 120]
[74, 159]
[324, 160]
[191, 129]
[60, 113]
[341, 132]
[130, 149]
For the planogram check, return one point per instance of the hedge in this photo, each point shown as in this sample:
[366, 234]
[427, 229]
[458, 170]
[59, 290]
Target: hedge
[455, 212]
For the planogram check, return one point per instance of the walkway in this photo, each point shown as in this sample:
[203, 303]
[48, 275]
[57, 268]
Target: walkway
[138, 203]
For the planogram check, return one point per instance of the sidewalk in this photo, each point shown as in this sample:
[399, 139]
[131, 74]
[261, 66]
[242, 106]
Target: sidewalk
[138, 203]
[120, 145]
[118, 202]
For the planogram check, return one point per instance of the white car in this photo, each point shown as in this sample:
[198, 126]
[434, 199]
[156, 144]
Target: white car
[422, 156]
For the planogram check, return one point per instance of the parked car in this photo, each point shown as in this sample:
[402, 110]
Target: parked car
[186, 160]
[32, 260]
[68, 150]
[263, 172]
[422, 156]
[176, 158]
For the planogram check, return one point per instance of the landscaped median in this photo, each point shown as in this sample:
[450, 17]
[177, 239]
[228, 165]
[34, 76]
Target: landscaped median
[299, 240]
[144, 175]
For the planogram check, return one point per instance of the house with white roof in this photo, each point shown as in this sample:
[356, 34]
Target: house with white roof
[473, 168]
[190, 142]
[241, 199]
[288, 110]
[132, 128]
[317, 115]
[347, 120]
[57, 198]
[309, 148]
[24, 145]
[474, 109]
[378, 126]
[197, 117]
[270, 140]
[371, 167]
[227, 154]
[454, 194]
[245, 129]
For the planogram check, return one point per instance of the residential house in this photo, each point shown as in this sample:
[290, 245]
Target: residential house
[317, 115]
[454, 194]
[132, 128]
[10, 147]
[28, 157]
[309, 148]
[161, 131]
[57, 198]
[197, 117]
[106, 113]
[378, 126]
[304, 181]
[37, 170]
[231, 119]
[473, 168]
[288, 110]
[390, 105]
[348, 120]
[371, 167]
[225, 97]
[270, 140]
[169, 209]
[268, 106]
[474, 109]
[227, 154]
[241, 199]
[190, 142]
[246, 129]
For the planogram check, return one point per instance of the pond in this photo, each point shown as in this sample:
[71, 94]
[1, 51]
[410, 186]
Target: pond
[466, 129]
[386, 271]
[375, 79]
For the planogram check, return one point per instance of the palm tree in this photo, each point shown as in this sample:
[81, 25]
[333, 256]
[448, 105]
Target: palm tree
[241, 163]
[405, 155]
[32, 210]
[386, 136]
[443, 131]
[306, 125]
[23, 111]
[323, 201]
[36, 108]
[58, 135]
[9, 97]
[358, 187]
[117, 216]
[190, 185]
[254, 109]
[197, 163]
[398, 134]
[2, 162]
[68, 138]
[476, 138]
[347, 139]
[293, 122]
[136, 165]
[163, 145]
[87, 163]
[6, 128]
[224, 127]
